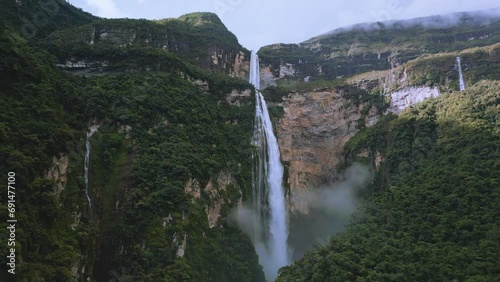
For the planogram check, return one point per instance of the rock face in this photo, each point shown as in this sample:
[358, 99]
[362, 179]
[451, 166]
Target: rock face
[311, 135]
[237, 97]
[58, 172]
[409, 96]
[217, 195]
[377, 46]
[199, 38]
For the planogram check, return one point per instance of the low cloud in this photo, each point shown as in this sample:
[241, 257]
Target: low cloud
[330, 209]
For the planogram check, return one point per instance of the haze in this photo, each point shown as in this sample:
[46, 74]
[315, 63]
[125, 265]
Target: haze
[257, 22]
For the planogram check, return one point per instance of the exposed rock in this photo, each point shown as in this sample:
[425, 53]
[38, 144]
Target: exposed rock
[214, 192]
[377, 46]
[125, 129]
[409, 96]
[286, 69]
[236, 97]
[167, 220]
[87, 65]
[193, 188]
[311, 135]
[77, 217]
[74, 269]
[58, 172]
[203, 84]
[241, 66]
[181, 251]
[378, 160]
[266, 77]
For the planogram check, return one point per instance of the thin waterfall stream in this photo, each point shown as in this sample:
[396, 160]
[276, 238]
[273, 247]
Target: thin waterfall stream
[91, 132]
[460, 74]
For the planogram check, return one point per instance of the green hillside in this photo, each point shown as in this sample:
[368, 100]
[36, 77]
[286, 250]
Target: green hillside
[380, 46]
[177, 130]
[432, 212]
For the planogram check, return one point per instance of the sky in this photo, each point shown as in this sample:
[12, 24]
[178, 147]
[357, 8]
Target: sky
[257, 23]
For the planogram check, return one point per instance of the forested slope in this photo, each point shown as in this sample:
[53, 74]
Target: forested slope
[432, 213]
[159, 130]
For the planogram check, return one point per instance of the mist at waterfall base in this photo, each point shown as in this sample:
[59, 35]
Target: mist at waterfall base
[329, 211]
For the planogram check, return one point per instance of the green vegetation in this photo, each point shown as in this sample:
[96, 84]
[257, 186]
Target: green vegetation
[127, 44]
[439, 70]
[351, 93]
[43, 116]
[157, 90]
[432, 212]
[141, 214]
[36, 19]
[380, 46]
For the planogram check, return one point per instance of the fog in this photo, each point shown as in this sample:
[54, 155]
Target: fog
[257, 22]
[329, 211]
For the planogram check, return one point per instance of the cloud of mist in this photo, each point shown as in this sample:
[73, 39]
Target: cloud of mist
[257, 22]
[330, 209]
[248, 221]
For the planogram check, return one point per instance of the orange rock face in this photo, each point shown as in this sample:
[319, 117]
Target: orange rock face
[311, 134]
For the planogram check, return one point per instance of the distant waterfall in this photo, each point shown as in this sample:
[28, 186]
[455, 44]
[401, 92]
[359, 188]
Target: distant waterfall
[271, 240]
[93, 129]
[460, 74]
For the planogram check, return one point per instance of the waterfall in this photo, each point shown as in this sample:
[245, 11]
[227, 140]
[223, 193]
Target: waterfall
[460, 74]
[93, 129]
[269, 198]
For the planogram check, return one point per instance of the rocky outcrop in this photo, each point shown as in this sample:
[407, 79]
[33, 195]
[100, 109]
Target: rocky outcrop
[241, 66]
[181, 250]
[409, 96]
[217, 195]
[193, 188]
[377, 46]
[311, 135]
[58, 172]
[199, 38]
[236, 98]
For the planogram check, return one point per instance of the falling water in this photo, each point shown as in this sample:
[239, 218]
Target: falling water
[271, 243]
[461, 77]
[93, 129]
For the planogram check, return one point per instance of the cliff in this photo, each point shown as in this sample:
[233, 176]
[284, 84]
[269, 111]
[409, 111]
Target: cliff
[434, 192]
[200, 39]
[158, 129]
[376, 46]
[311, 134]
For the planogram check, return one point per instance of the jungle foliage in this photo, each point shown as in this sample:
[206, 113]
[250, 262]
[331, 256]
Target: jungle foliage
[432, 211]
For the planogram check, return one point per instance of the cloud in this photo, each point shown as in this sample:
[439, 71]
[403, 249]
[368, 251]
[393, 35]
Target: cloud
[105, 8]
[259, 22]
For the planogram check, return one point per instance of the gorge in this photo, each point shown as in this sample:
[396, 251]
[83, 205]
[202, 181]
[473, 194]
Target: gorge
[369, 153]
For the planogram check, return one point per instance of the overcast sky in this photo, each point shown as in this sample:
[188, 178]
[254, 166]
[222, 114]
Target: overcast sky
[257, 22]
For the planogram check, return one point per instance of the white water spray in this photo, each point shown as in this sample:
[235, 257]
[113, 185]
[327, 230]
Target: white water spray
[93, 129]
[460, 74]
[271, 243]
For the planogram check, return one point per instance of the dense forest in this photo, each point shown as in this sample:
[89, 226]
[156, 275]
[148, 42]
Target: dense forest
[432, 211]
[172, 154]
[157, 130]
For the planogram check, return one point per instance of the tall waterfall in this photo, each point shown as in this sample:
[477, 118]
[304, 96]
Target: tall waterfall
[269, 198]
[93, 129]
[460, 74]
